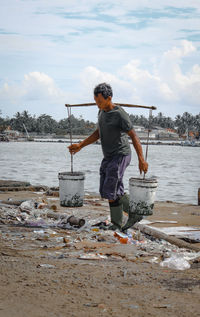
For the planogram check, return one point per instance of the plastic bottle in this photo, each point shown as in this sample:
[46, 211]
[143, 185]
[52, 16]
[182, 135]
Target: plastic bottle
[123, 239]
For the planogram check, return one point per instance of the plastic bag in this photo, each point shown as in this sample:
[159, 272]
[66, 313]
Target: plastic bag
[176, 262]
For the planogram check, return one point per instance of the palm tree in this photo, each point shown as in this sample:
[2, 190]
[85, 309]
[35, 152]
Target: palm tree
[46, 124]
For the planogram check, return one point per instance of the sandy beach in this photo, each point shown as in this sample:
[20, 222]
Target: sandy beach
[69, 272]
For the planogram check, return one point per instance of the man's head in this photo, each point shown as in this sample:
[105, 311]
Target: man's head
[103, 95]
[104, 89]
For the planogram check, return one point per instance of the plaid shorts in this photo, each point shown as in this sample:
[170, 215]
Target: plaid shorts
[111, 176]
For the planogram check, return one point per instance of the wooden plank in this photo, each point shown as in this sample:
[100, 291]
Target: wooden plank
[160, 235]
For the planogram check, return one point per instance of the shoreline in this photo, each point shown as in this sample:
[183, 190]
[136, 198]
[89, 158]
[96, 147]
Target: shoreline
[10, 189]
[9, 185]
[156, 142]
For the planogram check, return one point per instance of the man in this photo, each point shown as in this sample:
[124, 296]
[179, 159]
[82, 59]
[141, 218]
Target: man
[114, 127]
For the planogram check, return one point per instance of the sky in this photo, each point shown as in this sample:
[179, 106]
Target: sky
[56, 52]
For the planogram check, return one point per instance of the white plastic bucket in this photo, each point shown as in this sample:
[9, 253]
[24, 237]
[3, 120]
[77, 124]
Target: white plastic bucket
[142, 195]
[71, 189]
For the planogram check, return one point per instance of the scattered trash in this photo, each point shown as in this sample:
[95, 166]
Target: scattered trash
[95, 229]
[42, 206]
[91, 304]
[28, 206]
[92, 256]
[73, 221]
[155, 259]
[37, 223]
[176, 261]
[163, 306]
[53, 207]
[123, 238]
[46, 266]
[80, 235]
[101, 224]
[134, 238]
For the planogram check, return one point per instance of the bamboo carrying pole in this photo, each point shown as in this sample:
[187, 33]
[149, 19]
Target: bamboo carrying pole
[116, 103]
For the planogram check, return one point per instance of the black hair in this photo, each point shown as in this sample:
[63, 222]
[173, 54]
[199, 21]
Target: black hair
[104, 89]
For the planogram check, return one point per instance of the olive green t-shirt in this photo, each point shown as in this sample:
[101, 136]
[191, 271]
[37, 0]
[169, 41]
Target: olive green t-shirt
[113, 127]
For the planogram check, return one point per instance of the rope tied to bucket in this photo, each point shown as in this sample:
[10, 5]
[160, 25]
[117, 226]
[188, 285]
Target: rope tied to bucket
[149, 130]
[70, 132]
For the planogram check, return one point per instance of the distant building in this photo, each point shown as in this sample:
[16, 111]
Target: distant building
[165, 134]
[138, 128]
[143, 133]
[11, 133]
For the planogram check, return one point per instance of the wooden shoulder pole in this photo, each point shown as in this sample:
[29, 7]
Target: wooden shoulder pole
[116, 103]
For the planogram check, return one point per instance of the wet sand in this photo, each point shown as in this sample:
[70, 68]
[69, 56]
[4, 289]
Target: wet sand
[47, 275]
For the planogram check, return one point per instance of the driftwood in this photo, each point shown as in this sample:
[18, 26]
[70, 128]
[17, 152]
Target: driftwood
[12, 202]
[21, 188]
[161, 235]
[9, 183]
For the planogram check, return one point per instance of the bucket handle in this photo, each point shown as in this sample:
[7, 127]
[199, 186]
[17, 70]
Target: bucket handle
[147, 147]
[70, 128]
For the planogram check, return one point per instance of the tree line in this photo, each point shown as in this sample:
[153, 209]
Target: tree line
[45, 124]
[182, 124]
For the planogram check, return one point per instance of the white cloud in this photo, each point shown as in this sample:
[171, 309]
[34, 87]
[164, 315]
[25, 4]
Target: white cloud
[166, 86]
[91, 76]
[185, 85]
[37, 93]
[35, 86]
[179, 52]
[39, 85]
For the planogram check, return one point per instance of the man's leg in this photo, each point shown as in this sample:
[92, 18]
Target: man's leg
[102, 172]
[111, 176]
[124, 199]
[116, 214]
[111, 187]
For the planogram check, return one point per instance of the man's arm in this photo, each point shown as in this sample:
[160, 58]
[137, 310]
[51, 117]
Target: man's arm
[143, 165]
[74, 148]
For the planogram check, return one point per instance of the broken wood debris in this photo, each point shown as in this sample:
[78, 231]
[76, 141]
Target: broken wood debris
[156, 233]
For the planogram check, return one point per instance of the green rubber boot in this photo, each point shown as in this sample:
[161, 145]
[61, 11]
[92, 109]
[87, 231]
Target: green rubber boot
[116, 215]
[125, 201]
[132, 219]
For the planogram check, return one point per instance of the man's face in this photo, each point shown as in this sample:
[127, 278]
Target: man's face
[101, 102]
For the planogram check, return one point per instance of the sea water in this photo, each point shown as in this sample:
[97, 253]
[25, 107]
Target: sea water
[177, 168]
